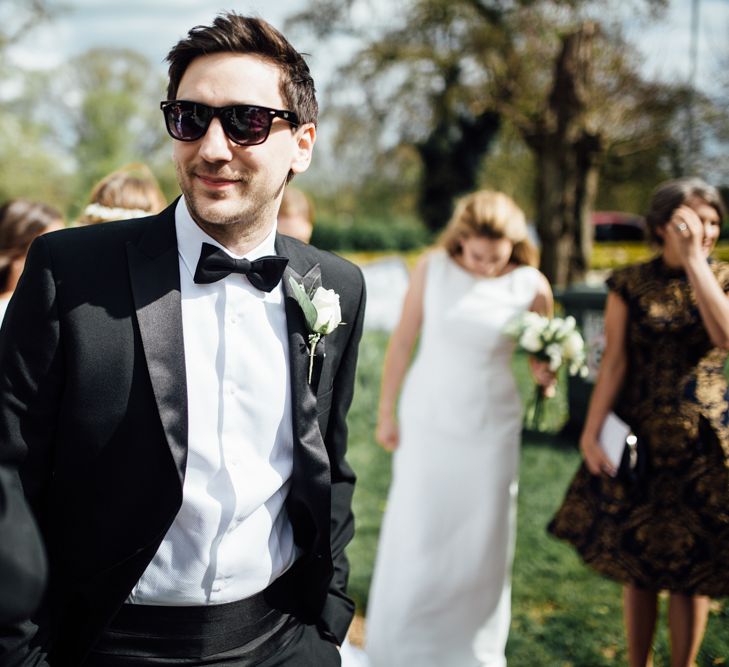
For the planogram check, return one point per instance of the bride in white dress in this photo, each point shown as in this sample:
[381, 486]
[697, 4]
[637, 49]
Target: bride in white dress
[441, 593]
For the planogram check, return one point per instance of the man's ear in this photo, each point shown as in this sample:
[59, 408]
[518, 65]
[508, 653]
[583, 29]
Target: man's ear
[305, 139]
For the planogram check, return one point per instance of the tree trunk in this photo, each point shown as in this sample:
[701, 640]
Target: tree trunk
[567, 178]
[451, 157]
[566, 154]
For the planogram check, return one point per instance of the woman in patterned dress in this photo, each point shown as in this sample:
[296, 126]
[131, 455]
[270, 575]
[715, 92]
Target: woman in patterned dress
[667, 335]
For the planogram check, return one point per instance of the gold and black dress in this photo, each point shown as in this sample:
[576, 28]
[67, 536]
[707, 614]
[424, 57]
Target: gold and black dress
[670, 529]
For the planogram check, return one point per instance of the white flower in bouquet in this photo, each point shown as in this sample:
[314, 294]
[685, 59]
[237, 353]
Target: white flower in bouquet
[533, 320]
[567, 326]
[554, 353]
[554, 327]
[530, 340]
[579, 368]
[574, 346]
[554, 340]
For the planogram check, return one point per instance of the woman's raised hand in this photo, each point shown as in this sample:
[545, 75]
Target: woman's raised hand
[684, 232]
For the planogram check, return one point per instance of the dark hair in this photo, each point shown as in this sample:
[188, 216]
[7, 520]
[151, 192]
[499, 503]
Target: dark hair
[234, 33]
[669, 195]
[21, 221]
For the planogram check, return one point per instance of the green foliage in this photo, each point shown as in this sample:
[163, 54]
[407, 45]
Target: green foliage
[510, 167]
[116, 121]
[69, 127]
[28, 165]
[369, 234]
[564, 615]
[422, 75]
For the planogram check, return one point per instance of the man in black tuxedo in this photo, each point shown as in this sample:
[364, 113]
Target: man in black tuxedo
[179, 434]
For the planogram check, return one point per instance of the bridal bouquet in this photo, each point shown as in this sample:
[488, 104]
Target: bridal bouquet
[554, 340]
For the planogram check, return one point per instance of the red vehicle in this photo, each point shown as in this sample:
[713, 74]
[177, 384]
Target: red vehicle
[618, 226]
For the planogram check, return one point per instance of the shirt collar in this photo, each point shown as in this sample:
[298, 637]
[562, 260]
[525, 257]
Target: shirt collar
[190, 239]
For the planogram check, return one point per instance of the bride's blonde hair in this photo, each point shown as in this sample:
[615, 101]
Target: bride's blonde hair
[493, 215]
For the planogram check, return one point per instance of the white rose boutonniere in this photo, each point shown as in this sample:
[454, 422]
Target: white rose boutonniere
[321, 311]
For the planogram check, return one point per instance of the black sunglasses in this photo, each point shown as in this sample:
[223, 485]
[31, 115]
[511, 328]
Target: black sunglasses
[244, 124]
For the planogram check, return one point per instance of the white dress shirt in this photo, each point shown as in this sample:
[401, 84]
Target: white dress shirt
[232, 535]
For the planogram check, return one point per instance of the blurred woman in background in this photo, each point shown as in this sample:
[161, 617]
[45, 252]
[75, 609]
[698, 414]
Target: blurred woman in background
[21, 221]
[441, 591]
[296, 215]
[129, 192]
[667, 335]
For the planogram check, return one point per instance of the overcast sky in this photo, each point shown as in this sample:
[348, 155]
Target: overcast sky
[153, 26]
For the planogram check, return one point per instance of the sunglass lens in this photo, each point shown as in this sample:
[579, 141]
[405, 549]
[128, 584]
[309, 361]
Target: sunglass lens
[187, 121]
[247, 125]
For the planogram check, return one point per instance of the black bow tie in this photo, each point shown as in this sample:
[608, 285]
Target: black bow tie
[215, 264]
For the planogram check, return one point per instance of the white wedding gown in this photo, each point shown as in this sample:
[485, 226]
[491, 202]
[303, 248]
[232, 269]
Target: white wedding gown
[441, 594]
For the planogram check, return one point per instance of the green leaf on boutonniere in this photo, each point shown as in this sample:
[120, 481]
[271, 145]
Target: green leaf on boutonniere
[302, 298]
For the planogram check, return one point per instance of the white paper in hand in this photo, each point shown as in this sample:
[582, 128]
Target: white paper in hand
[613, 434]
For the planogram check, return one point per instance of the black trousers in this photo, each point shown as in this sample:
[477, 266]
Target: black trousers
[248, 633]
[306, 649]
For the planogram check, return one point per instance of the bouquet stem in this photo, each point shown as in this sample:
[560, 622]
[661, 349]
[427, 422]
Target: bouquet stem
[535, 410]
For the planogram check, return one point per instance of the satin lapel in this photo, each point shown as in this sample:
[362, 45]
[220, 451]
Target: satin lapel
[311, 461]
[155, 278]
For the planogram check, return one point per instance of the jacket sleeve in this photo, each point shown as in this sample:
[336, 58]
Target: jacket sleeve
[30, 389]
[339, 608]
[22, 559]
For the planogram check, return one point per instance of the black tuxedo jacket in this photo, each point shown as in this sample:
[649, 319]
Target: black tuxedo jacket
[93, 412]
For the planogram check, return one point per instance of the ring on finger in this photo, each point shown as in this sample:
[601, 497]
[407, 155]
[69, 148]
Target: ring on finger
[681, 226]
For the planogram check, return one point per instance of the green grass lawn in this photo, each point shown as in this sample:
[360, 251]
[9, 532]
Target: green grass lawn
[563, 614]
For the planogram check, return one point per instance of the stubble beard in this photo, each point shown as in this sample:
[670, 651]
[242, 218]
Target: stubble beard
[202, 206]
[250, 213]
